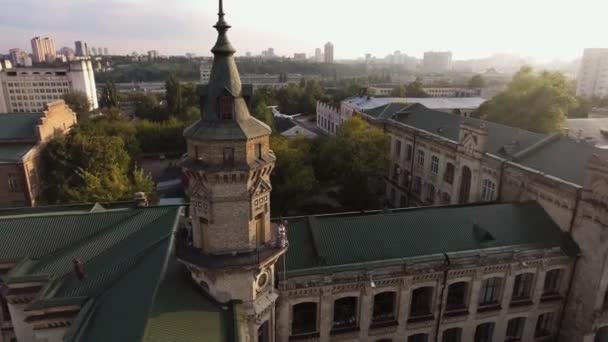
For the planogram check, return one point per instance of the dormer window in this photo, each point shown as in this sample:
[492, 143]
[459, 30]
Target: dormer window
[226, 106]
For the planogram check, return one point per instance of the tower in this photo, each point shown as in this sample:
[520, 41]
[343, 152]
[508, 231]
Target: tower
[228, 165]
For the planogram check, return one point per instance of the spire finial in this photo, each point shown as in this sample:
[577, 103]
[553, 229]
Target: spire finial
[221, 7]
[222, 45]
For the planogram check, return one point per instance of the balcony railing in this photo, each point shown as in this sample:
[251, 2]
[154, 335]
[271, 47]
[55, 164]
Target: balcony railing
[196, 256]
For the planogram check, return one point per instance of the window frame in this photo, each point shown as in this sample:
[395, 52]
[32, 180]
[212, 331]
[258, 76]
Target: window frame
[488, 190]
[553, 281]
[303, 331]
[420, 156]
[523, 283]
[434, 165]
[450, 171]
[490, 291]
[345, 322]
[389, 301]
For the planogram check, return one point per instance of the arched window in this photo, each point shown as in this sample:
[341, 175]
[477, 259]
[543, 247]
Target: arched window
[304, 319]
[488, 190]
[465, 186]
[345, 313]
[522, 287]
[490, 292]
[484, 332]
[457, 294]
[515, 329]
[601, 335]
[418, 338]
[422, 299]
[448, 176]
[430, 193]
[545, 325]
[452, 335]
[552, 284]
[226, 106]
[384, 307]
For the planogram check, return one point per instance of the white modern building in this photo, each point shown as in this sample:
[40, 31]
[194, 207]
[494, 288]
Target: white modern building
[27, 90]
[592, 79]
[437, 61]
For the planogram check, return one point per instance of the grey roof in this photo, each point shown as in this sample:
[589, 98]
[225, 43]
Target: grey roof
[593, 131]
[18, 126]
[556, 155]
[401, 236]
[447, 125]
[365, 102]
[13, 153]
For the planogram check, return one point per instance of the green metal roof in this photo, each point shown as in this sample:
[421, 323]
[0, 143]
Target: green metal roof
[18, 125]
[124, 252]
[541, 152]
[407, 234]
[13, 153]
[183, 313]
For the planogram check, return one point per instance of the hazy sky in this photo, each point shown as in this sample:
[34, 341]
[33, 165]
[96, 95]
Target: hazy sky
[543, 29]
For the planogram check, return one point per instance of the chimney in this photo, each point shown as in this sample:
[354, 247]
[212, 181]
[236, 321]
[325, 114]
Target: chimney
[140, 199]
[78, 268]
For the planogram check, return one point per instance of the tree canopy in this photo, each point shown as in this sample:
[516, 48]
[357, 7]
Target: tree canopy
[415, 89]
[109, 96]
[477, 81]
[537, 102]
[78, 102]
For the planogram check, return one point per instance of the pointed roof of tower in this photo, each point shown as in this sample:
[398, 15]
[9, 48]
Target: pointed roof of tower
[225, 81]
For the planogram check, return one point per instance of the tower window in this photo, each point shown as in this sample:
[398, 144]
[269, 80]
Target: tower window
[258, 149]
[226, 107]
[228, 156]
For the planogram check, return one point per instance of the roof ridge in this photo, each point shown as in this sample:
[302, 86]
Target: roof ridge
[537, 146]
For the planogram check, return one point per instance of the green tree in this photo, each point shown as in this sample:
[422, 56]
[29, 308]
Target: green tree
[109, 96]
[79, 103]
[534, 102]
[264, 114]
[398, 91]
[477, 81]
[173, 95]
[85, 167]
[293, 178]
[148, 107]
[190, 96]
[357, 159]
[415, 89]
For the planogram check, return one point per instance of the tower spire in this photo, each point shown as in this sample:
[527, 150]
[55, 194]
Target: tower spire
[222, 45]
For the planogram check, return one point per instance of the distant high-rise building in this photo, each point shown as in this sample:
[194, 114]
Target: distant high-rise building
[329, 53]
[105, 51]
[591, 79]
[152, 55]
[68, 53]
[43, 49]
[299, 56]
[82, 50]
[100, 51]
[248, 54]
[318, 55]
[437, 61]
[16, 56]
[93, 51]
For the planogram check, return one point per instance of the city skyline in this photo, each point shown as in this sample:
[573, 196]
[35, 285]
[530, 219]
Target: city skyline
[126, 25]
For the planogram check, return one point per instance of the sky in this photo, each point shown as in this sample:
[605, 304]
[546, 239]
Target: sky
[542, 29]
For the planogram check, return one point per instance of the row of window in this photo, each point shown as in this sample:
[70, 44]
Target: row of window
[345, 314]
[39, 90]
[36, 97]
[37, 84]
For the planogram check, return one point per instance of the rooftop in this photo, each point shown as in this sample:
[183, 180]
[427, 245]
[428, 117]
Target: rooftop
[541, 152]
[358, 241]
[18, 126]
[365, 102]
[128, 266]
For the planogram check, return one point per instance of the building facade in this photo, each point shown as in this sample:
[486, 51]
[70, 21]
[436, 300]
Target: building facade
[452, 92]
[435, 61]
[22, 136]
[440, 158]
[499, 292]
[329, 53]
[43, 49]
[27, 90]
[592, 79]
